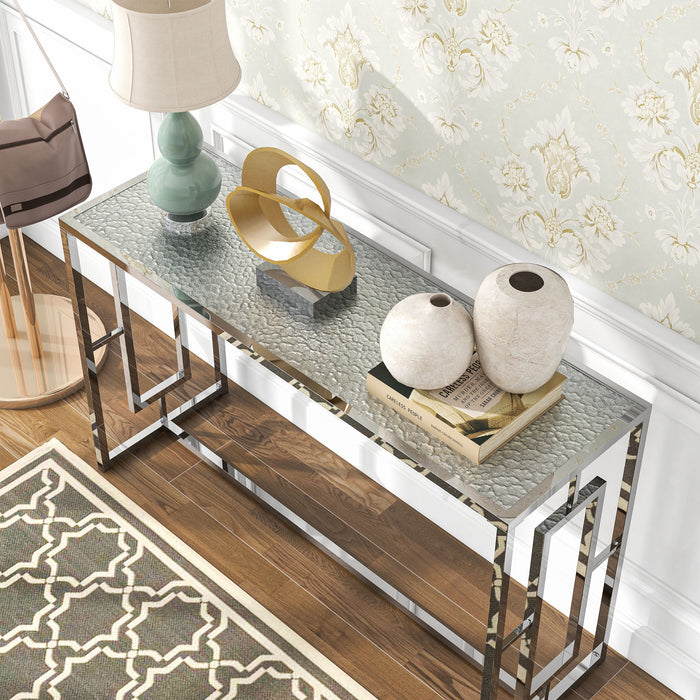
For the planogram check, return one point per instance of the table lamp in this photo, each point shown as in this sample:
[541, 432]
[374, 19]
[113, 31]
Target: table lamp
[174, 56]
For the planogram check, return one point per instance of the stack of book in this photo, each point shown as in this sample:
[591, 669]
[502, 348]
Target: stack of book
[472, 415]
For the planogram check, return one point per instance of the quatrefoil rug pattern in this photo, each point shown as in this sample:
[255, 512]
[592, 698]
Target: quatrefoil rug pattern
[99, 601]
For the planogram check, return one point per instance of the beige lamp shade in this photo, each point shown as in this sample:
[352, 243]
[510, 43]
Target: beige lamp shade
[172, 55]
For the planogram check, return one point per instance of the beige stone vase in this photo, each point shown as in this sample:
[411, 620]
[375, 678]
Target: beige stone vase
[427, 340]
[523, 315]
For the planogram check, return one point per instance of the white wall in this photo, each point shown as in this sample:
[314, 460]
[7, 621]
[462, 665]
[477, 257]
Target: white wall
[657, 622]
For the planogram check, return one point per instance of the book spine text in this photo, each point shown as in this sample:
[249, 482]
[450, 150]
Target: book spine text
[423, 418]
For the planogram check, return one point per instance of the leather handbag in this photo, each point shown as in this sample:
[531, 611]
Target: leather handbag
[43, 168]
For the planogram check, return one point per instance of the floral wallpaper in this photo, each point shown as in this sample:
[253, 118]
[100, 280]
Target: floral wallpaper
[571, 127]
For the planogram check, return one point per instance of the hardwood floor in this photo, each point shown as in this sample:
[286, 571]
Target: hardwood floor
[386, 651]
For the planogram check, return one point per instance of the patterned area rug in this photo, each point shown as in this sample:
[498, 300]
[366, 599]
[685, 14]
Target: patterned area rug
[99, 601]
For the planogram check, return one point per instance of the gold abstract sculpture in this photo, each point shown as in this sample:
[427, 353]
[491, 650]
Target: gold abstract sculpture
[256, 212]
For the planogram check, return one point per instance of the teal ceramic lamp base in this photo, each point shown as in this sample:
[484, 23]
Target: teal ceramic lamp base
[185, 181]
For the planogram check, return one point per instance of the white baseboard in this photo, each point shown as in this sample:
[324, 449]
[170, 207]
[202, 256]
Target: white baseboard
[649, 612]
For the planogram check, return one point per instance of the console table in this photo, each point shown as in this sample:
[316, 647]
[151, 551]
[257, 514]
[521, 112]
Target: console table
[210, 276]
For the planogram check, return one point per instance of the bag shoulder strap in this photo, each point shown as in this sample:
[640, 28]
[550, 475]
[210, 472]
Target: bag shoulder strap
[41, 48]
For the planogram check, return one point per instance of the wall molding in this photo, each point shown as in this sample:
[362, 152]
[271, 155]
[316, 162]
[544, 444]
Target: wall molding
[648, 357]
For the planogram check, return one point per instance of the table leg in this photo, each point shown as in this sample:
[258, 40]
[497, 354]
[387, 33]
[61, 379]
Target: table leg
[615, 555]
[572, 661]
[137, 400]
[86, 349]
[498, 606]
[589, 499]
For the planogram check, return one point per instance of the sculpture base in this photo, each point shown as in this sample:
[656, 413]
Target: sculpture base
[27, 381]
[273, 280]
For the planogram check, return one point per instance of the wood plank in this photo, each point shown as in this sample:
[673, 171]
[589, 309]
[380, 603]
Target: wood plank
[199, 427]
[632, 682]
[23, 430]
[443, 678]
[6, 458]
[594, 683]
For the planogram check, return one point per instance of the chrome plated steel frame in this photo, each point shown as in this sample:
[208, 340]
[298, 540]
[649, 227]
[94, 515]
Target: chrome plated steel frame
[586, 499]
[589, 499]
[137, 401]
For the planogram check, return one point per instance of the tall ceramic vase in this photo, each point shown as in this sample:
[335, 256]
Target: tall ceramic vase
[427, 341]
[523, 315]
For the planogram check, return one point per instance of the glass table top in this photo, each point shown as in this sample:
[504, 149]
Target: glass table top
[216, 269]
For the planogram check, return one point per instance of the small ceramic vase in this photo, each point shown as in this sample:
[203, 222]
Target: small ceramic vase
[523, 315]
[427, 341]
